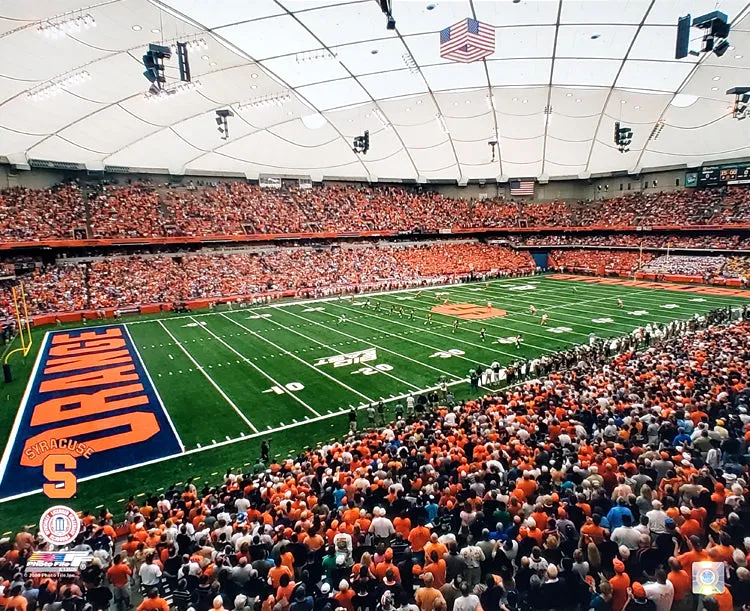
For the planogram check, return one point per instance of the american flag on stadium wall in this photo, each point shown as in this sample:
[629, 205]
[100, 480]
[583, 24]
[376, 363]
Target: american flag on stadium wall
[522, 187]
[467, 41]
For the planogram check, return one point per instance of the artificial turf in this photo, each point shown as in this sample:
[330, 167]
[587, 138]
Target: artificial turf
[291, 371]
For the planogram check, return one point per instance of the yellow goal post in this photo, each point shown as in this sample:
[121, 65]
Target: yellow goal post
[24, 328]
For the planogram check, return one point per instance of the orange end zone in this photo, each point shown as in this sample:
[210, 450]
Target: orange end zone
[665, 286]
[468, 311]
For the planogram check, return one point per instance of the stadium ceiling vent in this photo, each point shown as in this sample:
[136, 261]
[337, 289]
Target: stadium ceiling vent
[55, 165]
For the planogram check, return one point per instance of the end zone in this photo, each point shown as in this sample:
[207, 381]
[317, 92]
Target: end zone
[89, 407]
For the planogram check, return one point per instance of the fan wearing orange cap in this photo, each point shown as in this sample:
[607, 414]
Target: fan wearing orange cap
[637, 599]
[620, 583]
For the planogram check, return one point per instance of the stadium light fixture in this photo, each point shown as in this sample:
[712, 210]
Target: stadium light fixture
[740, 108]
[378, 114]
[67, 23]
[362, 143]
[159, 95]
[266, 101]
[386, 7]
[222, 121]
[56, 85]
[623, 136]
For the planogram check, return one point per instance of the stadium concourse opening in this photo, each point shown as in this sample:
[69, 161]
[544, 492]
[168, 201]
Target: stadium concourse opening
[375, 306]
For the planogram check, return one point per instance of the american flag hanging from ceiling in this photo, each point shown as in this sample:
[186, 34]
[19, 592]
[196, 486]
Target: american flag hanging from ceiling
[467, 41]
[522, 187]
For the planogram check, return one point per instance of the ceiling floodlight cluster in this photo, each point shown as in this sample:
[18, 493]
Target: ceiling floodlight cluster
[656, 130]
[410, 62]
[313, 56]
[191, 45]
[68, 23]
[58, 84]
[159, 95]
[378, 114]
[266, 101]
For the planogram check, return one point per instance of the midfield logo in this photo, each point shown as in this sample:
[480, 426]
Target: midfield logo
[352, 358]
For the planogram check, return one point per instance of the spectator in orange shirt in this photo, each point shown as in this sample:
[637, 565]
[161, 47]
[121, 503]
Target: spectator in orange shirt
[592, 531]
[436, 565]
[418, 538]
[153, 602]
[683, 586]
[345, 595]
[275, 573]
[402, 524]
[620, 583]
[428, 597]
[695, 554]
[119, 577]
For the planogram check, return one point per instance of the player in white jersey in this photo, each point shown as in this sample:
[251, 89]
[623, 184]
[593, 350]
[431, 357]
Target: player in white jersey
[619, 303]
[532, 310]
[544, 319]
[489, 306]
[341, 320]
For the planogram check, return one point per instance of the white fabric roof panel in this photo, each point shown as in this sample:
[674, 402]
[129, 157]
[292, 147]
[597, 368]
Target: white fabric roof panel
[562, 72]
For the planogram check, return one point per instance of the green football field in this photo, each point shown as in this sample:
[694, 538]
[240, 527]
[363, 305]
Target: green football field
[291, 371]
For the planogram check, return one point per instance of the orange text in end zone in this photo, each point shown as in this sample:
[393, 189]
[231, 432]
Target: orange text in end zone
[36, 453]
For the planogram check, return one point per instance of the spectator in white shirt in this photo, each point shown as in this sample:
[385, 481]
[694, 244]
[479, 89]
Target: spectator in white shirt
[150, 573]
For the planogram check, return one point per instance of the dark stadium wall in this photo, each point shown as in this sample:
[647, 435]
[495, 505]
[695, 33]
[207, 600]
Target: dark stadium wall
[574, 190]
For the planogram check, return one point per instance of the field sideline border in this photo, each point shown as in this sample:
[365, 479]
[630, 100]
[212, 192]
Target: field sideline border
[269, 431]
[219, 444]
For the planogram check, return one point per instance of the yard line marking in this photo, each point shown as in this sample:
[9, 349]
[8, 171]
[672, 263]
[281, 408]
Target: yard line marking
[199, 367]
[312, 339]
[443, 337]
[156, 392]
[486, 323]
[377, 346]
[260, 371]
[559, 306]
[305, 363]
[255, 435]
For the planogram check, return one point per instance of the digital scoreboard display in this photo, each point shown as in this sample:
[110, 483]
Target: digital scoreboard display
[720, 175]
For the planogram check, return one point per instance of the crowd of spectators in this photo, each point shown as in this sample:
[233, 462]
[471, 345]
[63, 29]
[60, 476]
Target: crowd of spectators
[128, 281]
[41, 214]
[706, 267]
[684, 207]
[597, 261]
[237, 208]
[647, 240]
[597, 487]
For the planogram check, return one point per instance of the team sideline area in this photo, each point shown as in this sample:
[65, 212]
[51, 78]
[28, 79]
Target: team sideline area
[215, 378]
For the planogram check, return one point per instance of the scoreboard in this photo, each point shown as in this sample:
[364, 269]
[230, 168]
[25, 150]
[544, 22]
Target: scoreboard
[719, 175]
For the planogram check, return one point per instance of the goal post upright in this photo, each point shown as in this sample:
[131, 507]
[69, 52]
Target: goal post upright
[24, 329]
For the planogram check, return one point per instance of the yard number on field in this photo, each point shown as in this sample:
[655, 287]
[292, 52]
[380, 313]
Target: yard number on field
[446, 354]
[370, 371]
[291, 386]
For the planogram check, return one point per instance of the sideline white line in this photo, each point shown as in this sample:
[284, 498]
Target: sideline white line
[156, 391]
[256, 435]
[259, 370]
[305, 363]
[200, 368]
[22, 409]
